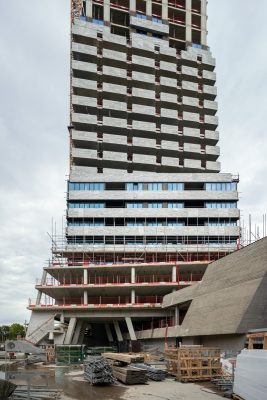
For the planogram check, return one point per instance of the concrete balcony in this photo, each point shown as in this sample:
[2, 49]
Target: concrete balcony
[139, 76]
[84, 84]
[212, 136]
[84, 136]
[149, 195]
[153, 212]
[192, 148]
[143, 93]
[114, 140]
[84, 66]
[84, 118]
[210, 107]
[213, 150]
[190, 104]
[114, 55]
[211, 122]
[154, 231]
[213, 166]
[189, 89]
[144, 159]
[84, 153]
[141, 109]
[114, 122]
[169, 82]
[149, 25]
[169, 98]
[169, 113]
[170, 129]
[144, 126]
[209, 77]
[170, 161]
[189, 73]
[143, 61]
[191, 133]
[115, 105]
[208, 62]
[114, 89]
[169, 145]
[141, 142]
[115, 72]
[115, 40]
[84, 101]
[191, 119]
[192, 164]
[142, 44]
[84, 49]
[210, 92]
[167, 66]
[115, 156]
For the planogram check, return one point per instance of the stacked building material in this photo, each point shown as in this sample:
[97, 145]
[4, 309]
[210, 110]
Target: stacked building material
[130, 375]
[98, 371]
[6, 388]
[193, 363]
[153, 373]
[126, 358]
[35, 393]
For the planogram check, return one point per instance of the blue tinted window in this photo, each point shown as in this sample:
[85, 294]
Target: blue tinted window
[154, 186]
[175, 205]
[134, 205]
[175, 186]
[155, 205]
[224, 186]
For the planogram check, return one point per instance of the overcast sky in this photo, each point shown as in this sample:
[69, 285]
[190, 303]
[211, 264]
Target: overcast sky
[34, 95]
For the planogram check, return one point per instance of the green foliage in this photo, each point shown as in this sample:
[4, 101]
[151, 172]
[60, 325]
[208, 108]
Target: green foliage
[11, 332]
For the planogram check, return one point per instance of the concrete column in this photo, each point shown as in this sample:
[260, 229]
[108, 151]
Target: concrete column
[132, 275]
[39, 294]
[77, 332]
[109, 333]
[132, 296]
[164, 12]
[85, 277]
[62, 318]
[89, 8]
[149, 7]
[70, 331]
[107, 11]
[133, 5]
[188, 21]
[174, 278]
[85, 297]
[118, 331]
[177, 316]
[204, 22]
[130, 327]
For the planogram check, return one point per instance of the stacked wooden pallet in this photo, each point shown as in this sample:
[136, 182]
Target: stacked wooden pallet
[130, 375]
[127, 358]
[193, 363]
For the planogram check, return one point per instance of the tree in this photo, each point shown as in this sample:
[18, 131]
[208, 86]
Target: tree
[4, 332]
[16, 330]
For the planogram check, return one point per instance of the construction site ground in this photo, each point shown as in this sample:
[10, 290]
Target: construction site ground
[70, 380]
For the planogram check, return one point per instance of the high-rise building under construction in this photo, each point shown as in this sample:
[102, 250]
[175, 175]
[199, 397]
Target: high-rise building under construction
[147, 206]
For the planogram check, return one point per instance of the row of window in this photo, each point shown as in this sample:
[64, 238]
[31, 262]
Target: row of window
[150, 223]
[155, 186]
[218, 204]
[229, 186]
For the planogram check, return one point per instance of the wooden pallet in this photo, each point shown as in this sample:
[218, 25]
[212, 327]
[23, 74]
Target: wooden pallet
[257, 335]
[193, 363]
[126, 358]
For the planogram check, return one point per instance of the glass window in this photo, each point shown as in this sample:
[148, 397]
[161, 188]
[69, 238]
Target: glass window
[155, 205]
[154, 186]
[175, 186]
[221, 204]
[225, 186]
[134, 205]
[134, 186]
[175, 204]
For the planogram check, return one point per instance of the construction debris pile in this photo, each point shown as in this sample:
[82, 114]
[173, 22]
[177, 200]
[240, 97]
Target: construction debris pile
[97, 371]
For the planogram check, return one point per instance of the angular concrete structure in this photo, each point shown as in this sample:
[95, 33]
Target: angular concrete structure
[147, 206]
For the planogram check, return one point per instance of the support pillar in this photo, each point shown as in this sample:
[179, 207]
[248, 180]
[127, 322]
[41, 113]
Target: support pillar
[85, 298]
[132, 296]
[70, 331]
[118, 331]
[204, 22]
[89, 8]
[130, 327]
[164, 11]
[133, 6]
[132, 275]
[39, 294]
[62, 318]
[85, 276]
[177, 316]
[77, 332]
[174, 278]
[188, 21]
[109, 333]
[107, 11]
[149, 7]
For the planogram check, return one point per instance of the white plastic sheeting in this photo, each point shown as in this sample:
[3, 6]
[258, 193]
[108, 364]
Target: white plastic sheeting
[250, 381]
